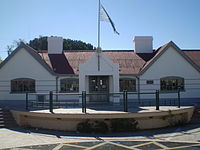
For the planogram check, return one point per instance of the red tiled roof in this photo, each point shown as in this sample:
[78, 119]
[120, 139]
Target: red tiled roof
[129, 61]
[194, 55]
[59, 62]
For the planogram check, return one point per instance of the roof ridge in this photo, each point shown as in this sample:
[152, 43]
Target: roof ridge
[190, 49]
[158, 52]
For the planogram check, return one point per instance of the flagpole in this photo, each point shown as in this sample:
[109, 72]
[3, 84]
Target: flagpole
[98, 48]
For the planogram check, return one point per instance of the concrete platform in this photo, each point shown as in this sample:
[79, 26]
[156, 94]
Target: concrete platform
[94, 111]
[67, 119]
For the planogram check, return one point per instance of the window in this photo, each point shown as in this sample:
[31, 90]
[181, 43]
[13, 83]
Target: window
[127, 84]
[171, 83]
[22, 85]
[69, 85]
[149, 81]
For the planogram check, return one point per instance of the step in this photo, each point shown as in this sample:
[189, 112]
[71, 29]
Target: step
[2, 126]
[7, 116]
[10, 124]
[6, 119]
[2, 121]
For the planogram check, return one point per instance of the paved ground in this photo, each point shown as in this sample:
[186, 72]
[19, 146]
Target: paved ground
[116, 145]
[186, 137]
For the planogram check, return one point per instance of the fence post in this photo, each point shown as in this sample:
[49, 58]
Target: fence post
[157, 100]
[179, 98]
[124, 97]
[125, 101]
[51, 101]
[26, 100]
[83, 101]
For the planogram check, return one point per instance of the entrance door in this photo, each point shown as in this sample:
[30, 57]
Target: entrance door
[99, 88]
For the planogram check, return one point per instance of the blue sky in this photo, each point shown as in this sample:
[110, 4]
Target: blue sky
[165, 20]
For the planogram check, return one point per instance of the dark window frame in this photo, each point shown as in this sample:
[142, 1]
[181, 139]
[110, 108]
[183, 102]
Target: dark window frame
[66, 80]
[134, 88]
[22, 85]
[149, 82]
[172, 83]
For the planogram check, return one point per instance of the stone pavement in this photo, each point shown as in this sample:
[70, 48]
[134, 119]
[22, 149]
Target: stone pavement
[115, 145]
[18, 138]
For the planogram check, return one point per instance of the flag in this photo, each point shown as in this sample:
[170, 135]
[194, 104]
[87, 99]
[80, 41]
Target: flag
[105, 17]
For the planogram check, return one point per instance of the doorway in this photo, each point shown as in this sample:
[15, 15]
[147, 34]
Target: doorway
[99, 89]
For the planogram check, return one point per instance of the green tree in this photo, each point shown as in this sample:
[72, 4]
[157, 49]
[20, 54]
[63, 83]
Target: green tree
[68, 44]
[1, 60]
[39, 43]
[15, 44]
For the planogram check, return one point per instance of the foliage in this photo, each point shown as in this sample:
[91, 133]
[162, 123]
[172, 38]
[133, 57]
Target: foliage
[123, 125]
[1, 60]
[92, 127]
[85, 127]
[39, 43]
[68, 44]
[100, 127]
[116, 125]
[178, 123]
[169, 116]
[173, 121]
[15, 44]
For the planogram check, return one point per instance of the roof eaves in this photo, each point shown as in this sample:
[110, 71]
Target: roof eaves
[11, 55]
[186, 57]
[63, 75]
[128, 74]
[32, 52]
[162, 50]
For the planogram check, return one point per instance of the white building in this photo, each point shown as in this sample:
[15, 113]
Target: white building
[110, 71]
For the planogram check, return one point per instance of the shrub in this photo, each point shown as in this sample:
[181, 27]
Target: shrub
[100, 127]
[85, 127]
[89, 127]
[116, 125]
[123, 125]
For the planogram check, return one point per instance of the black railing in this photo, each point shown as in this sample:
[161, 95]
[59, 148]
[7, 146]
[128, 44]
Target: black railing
[124, 105]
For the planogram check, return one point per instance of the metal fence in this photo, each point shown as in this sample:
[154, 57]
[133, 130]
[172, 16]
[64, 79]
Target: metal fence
[51, 101]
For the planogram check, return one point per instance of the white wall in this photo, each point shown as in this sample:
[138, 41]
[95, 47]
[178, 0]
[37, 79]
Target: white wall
[107, 68]
[23, 65]
[171, 63]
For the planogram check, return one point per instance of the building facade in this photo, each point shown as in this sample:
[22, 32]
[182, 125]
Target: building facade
[110, 71]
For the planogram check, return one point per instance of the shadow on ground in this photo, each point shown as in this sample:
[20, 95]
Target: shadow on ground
[145, 133]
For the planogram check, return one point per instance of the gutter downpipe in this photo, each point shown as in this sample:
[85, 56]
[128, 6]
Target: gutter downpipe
[57, 87]
[138, 87]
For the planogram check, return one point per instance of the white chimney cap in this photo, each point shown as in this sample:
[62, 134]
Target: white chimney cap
[143, 44]
[55, 45]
